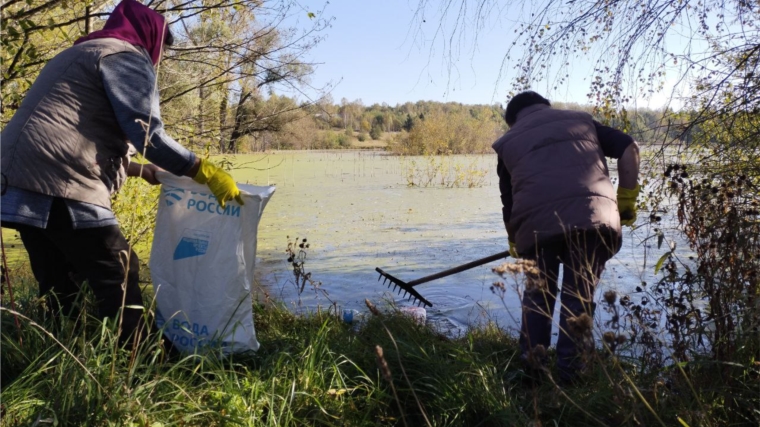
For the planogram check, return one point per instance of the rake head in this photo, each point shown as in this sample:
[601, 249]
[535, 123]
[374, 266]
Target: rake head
[408, 290]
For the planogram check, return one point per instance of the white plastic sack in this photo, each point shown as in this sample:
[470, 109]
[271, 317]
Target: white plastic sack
[201, 264]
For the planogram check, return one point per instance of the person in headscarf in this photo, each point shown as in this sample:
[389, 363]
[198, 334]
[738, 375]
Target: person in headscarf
[67, 150]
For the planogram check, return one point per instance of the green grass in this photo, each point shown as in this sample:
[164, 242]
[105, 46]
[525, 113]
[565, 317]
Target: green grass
[319, 371]
[14, 249]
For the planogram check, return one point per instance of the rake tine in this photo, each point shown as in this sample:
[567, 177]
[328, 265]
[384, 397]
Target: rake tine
[399, 285]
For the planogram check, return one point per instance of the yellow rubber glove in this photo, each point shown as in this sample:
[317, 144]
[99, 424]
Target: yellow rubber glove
[513, 250]
[626, 199]
[219, 182]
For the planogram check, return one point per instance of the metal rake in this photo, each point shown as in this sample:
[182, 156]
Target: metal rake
[408, 287]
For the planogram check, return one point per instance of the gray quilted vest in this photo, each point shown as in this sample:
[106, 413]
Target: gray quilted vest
[64, 140]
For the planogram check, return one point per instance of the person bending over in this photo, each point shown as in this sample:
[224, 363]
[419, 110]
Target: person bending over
[560, 209]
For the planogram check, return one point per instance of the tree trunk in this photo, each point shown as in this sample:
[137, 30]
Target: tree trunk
[202, 95]
[237, 131]
[87, 20]
[223, 119]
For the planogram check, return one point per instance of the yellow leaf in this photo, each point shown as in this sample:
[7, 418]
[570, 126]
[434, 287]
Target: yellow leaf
[336, 392]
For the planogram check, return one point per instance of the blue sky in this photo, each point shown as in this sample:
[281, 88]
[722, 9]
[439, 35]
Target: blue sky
[371, 53]
[375, 52]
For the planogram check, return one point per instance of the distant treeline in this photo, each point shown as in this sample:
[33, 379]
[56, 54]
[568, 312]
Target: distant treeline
[424, 127]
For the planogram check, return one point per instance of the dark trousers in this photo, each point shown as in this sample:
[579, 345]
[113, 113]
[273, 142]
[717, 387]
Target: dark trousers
[582, 256]
[62, 257]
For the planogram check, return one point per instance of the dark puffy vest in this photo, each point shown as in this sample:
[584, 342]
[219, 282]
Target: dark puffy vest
[560, 180]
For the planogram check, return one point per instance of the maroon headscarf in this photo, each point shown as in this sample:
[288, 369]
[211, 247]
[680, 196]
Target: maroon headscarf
[135, 23]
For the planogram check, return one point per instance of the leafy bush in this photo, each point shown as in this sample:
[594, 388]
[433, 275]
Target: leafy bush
[344, 141]
[445, 171]
[135, 207]
[376, 132]
[331, 140]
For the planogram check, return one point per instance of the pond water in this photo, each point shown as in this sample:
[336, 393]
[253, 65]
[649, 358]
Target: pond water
[358, 213]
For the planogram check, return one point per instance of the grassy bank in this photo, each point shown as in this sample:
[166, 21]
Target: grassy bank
[321, 371]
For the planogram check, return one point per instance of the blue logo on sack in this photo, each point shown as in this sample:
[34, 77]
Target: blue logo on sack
[198, 202]
[193, 243]
[173, 195]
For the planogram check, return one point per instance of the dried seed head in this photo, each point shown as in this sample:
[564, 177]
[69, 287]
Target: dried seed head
[610, 297]
[528, 268]
[371, 307]
[507, 267]
[498, 286]
[534, 284]
[382, 364]
[580, 325]
[621, 339]
[517, 267]
[539, 351]
[609, 337]
[536, 357]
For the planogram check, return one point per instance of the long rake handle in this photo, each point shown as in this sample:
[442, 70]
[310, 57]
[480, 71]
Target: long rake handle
[459, 268]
